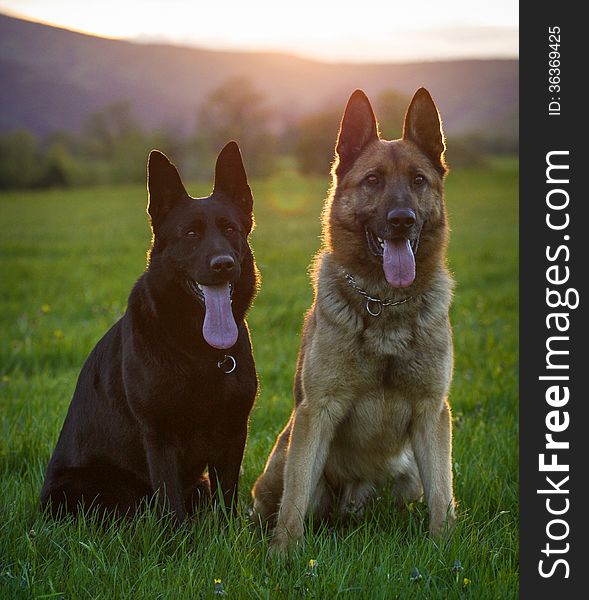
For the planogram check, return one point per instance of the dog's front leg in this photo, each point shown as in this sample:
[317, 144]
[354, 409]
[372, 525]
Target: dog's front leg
[431, 438]
[224, 471]
[312, 432]
[164, 472]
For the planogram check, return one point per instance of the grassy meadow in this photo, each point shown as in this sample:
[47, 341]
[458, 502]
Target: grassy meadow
[68, 260]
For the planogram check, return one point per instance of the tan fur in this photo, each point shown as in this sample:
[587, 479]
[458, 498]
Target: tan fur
[370, 392]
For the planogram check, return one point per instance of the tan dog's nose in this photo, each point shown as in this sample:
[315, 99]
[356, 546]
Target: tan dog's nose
[401, 219]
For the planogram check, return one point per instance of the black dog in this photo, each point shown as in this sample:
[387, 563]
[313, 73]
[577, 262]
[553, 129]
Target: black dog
[166, 393]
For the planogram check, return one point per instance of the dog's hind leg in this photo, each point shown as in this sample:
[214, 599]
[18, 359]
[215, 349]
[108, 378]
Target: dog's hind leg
[321, 503]
[407, 486]
[354, 497]
[105, 488]
[267, 491]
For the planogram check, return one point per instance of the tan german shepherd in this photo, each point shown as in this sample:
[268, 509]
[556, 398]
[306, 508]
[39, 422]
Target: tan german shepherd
[375, 361]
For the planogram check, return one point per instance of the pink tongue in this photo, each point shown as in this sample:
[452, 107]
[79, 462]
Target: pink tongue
[219, 328]
[398, 262]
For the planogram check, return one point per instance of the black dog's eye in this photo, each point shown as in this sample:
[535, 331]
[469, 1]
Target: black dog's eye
[419, 179]
[230, 229]
[372, 179]
[191, 232]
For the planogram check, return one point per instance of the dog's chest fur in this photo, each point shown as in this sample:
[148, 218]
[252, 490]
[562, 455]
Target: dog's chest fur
[377, 373]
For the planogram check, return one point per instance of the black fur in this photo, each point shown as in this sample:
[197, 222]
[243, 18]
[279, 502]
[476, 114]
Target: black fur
[152, 411]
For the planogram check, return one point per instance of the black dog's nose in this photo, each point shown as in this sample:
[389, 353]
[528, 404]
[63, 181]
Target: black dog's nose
[222, 263]
[401, 219]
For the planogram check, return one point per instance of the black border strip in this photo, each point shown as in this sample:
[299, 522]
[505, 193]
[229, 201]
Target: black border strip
[541, 133]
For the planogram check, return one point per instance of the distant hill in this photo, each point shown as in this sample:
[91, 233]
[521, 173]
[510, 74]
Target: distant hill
[51, 78]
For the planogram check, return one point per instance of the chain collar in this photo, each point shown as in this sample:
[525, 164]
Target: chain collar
[374, 305]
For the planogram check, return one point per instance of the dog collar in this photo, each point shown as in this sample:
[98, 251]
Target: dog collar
[228, 364]
[374, 305]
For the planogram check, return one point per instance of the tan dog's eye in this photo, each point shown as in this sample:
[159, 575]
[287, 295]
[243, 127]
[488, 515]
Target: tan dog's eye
[419, 179]
[372, 179]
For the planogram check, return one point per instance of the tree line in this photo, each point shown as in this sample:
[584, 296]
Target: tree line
[112, 146]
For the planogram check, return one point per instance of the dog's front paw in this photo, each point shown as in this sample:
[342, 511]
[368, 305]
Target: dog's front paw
[285, 539]
[444, 524]
[263, 513]
[279, 546]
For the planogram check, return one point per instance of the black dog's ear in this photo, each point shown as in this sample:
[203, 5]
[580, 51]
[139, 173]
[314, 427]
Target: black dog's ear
[358, 128]
[163, 184]
[423, 127]
[231, 179]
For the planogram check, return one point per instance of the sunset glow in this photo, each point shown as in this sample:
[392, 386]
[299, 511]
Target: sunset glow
[370, 30]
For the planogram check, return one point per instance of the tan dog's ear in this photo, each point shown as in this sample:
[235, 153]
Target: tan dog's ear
[423, 127]
[357, 129]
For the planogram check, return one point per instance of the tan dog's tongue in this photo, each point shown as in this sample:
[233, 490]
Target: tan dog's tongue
[219, 329]
[398, 262]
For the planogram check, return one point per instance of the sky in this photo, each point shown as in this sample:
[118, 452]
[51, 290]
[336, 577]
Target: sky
[358, 31]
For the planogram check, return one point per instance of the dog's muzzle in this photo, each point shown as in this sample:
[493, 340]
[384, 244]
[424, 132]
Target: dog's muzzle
[376, 243]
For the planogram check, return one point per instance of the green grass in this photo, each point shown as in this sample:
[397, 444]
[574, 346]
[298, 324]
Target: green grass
[67, 263]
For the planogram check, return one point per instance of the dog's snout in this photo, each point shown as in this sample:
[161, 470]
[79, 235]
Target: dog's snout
[222, 264]
[401, 219]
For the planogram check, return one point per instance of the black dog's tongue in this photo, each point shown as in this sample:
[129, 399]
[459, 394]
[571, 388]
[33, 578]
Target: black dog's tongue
[219, 328]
